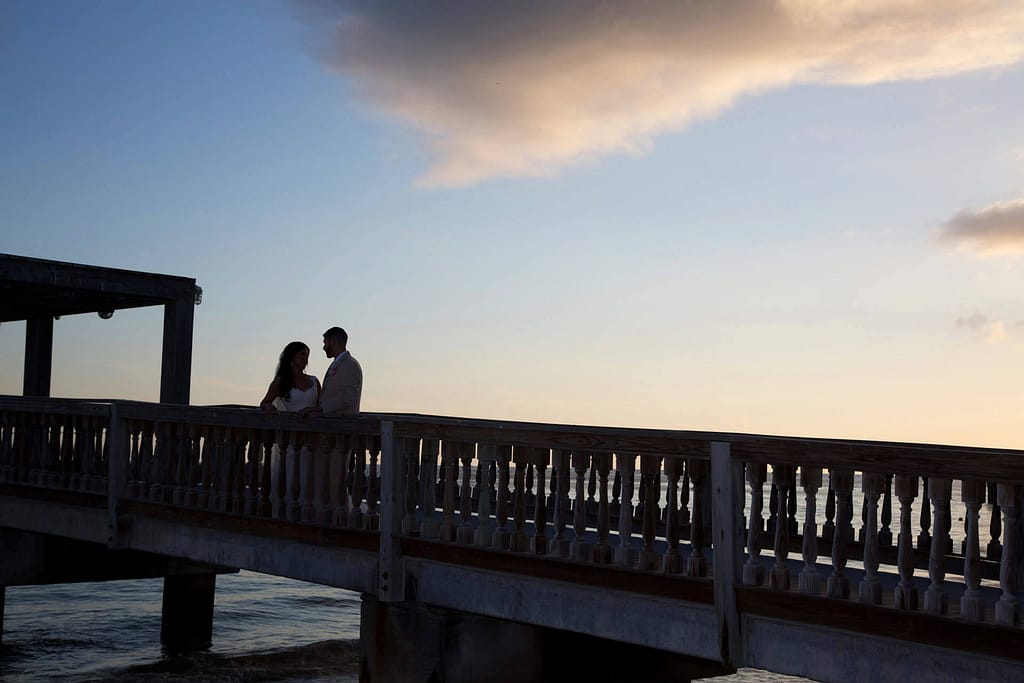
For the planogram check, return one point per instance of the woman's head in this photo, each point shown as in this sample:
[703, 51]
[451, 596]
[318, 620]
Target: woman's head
[292, 362]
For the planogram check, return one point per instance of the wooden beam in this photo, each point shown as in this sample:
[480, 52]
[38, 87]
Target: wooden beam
[38, 356]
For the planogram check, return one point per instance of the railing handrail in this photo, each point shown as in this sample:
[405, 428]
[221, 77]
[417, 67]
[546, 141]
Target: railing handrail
[946, 461]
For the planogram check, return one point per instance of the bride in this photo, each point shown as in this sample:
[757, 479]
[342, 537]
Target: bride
[292, 391]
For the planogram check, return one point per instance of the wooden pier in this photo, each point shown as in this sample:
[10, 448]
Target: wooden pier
[721, 550]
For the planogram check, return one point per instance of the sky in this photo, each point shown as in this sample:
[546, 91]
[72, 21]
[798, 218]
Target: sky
[795, 217]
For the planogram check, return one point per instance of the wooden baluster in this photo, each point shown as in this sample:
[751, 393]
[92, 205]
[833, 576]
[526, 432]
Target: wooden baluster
[520, 457]
[841, 481]
[254, 446]
[410, 450]
[809, 580]
[465, 533]
[478, 483]
[373, 485]
[936, 600]
[337, 474]
[225, 457]
[292, 455]
[6, 442]
[684, 496]
[773, 508]
[616, 505]
[528, 499]
[262, 467]
[791, 507]
[863, 515]
[449, 455]
[782, 481]
[947, 523]
[132, 489]
[906, 596]
[560, 464]
[553, 487]
[885, 534]
[650, 467]
[602, 553]
[88, 454]
[828, 530]
[672, 563]
[236, 470]
[697, 564]
[430, 527]
[871, 485]
[625, 467]
[502, 538]
[924, 539]
[486, 456]
[145, 458]
[307, 511]
[1007, 607]
[277, 478]
[591, 492]
[994, 549]
[753, 570]
[159, 464]
[539, 543]
[75, 475]
[972, 603]
[356, 514]
[182, 453]
[580, 549]
[194, 457]
[69, 478]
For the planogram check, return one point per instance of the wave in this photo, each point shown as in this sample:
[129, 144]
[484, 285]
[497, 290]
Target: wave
[329, 660]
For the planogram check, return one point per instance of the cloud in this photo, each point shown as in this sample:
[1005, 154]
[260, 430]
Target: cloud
[995, 229]
[992, 331]
[527, 88]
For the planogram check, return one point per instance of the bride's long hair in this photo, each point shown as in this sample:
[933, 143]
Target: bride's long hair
[285, 376]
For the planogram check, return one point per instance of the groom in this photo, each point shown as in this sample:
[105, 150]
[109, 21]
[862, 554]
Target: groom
[343, 383]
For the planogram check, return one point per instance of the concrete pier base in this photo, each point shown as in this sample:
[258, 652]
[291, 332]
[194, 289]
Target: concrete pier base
[406, 642]
[187, 622]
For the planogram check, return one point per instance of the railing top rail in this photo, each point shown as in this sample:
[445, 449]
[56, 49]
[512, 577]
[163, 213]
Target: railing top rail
[1001, 464]
[994, 464]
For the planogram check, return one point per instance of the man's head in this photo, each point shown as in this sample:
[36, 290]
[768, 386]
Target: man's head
[335, 341]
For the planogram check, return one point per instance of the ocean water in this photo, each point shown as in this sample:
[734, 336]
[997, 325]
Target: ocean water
[265, 628]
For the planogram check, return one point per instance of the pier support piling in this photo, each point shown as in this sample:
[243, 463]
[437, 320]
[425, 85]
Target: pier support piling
[187, 622]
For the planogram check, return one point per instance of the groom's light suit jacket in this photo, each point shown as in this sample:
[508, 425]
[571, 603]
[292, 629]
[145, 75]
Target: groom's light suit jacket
[342, 386]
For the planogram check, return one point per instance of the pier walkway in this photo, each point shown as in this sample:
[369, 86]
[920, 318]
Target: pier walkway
[836, 560]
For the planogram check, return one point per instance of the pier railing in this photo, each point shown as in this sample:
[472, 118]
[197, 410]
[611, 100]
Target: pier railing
[741, 523]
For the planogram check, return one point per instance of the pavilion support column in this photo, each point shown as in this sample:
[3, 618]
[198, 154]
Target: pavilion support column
[187, 622]
[38, 356]
[176, 366]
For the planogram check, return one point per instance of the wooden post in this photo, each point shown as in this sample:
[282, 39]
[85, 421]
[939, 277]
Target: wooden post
[38, 356]
[727, 539]
[187, 618]
[391, 582]
[176, 365]
[650, 467]
[117, 474]
[672, 563]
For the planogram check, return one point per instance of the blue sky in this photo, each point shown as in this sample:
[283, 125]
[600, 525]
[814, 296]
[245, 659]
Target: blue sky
[792, 218]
